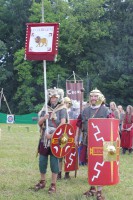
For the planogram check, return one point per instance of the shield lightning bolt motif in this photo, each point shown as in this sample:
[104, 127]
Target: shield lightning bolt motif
[103, 148]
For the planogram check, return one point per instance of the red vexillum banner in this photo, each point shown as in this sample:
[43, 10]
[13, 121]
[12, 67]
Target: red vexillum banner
[73, 90]
[41, 41]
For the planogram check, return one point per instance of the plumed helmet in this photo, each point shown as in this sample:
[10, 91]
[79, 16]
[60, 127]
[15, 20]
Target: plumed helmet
[57, 92]
[101, 98]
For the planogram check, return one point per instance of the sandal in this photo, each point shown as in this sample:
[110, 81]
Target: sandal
[91, 192]
[52, 188]
[99, 196]
[40, 185]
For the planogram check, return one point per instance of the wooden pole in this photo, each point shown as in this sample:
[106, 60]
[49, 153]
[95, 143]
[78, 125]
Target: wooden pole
[74, 77]
[58, 81]
[45, 77]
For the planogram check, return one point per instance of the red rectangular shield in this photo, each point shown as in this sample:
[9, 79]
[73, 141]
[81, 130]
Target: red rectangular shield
[71, 160]
[103, 151]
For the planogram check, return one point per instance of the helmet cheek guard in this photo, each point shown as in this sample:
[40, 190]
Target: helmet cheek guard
[101, 99]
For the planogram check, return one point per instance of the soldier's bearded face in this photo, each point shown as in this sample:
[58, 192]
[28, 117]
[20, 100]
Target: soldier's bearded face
[93, 99]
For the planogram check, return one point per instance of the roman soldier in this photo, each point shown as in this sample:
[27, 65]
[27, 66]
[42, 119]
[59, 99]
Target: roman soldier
[56, 116]
[96, 109]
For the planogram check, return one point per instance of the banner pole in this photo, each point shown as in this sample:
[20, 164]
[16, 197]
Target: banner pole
[45, 88]
[42, 10]
[45, 77]
[58, 80]
[74, 77]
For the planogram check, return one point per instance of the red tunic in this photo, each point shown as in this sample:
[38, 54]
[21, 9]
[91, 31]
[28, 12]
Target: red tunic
[127, 136]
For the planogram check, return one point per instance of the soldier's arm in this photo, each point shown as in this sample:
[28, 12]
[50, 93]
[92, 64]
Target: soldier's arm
[63, 121]
[43, 119]
[63, 116]
[78, 130]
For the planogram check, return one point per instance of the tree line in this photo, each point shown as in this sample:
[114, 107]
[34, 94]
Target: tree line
[96, 42]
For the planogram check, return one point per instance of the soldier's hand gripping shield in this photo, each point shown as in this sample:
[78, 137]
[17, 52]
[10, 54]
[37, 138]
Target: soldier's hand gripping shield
[62, 140]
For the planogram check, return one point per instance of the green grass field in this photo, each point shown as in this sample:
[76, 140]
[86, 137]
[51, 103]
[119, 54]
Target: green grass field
[19, 170]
